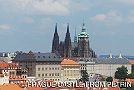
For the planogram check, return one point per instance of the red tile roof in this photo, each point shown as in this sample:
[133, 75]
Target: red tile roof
[69, 62]
[16, 78]
[10, 87]
[132, 62]
[8, 65]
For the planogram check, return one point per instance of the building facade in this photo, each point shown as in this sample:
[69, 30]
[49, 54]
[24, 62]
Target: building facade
[47, 66]
[40, 65]
[83, 43]
[12, 73]
[104, 66]
[70, 70]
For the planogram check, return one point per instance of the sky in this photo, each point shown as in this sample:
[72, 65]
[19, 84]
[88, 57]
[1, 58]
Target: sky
[29, 24]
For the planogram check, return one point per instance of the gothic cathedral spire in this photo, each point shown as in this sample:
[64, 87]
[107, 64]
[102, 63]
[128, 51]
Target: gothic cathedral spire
[55, 43]
[67, 45]
[83, 43]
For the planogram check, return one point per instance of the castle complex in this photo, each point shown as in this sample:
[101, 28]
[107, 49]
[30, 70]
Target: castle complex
[78, 48]
[68, 59]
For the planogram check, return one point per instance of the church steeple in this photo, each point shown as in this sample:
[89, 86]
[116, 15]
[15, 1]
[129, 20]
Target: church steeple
[67, 49]
[83, 28]
[75, 37]
[83, 43]
[68, 28]
[56, 29]
[55, 43]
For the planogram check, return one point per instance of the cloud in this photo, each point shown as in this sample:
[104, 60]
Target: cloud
[27, 20]
[129, 2]
[48, 7]
[4, 27]
[58, 7]
[130, 17]
[109, 18]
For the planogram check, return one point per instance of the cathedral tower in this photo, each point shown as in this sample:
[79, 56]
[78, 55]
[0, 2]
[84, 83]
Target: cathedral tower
[83, 43]
[67, 44]
[55, 43]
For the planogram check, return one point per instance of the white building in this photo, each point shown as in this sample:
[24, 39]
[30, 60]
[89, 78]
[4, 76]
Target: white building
[40, 65]
[70, 70]
[4, 79]
[105, 66]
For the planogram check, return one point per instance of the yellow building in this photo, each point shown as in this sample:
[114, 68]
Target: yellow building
[70, 70]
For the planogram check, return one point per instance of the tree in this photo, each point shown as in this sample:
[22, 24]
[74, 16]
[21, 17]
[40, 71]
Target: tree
[121, 73]
[109, 79]
[131, 76]
[132, 68]
[84, 75]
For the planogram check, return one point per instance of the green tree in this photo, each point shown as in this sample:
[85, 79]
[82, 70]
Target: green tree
[132, 68]
[121, 73]
[84, 76]
[109, 79]
[131, 76]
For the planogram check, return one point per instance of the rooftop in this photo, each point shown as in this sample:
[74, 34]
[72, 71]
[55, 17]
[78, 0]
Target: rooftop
[111, 61]
[10, 87]
[8, 65]
[69, 62]
[37, 57]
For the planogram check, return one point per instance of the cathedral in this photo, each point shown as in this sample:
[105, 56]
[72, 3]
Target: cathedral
[80, 47]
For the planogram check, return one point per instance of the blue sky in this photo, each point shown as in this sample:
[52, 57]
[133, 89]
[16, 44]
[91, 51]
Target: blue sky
[29, 24]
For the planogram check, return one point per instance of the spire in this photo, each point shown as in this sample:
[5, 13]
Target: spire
[83, 27]
[55, 43]
[67, 46]
[120, 56]
[75, 36]
[67, 27]
[56, 28]
[110, 56]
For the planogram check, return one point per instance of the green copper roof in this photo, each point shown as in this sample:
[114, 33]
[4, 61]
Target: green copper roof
[83, 33]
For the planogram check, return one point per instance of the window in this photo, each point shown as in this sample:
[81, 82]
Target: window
[38, 75]
[42, 75]
[50, 74]
[57, 68]
[38, 56]
[46, 68]
[49, 68]
[42, 69]
[45, 74]
[38, 69]
[58, 74]
[43, 56]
